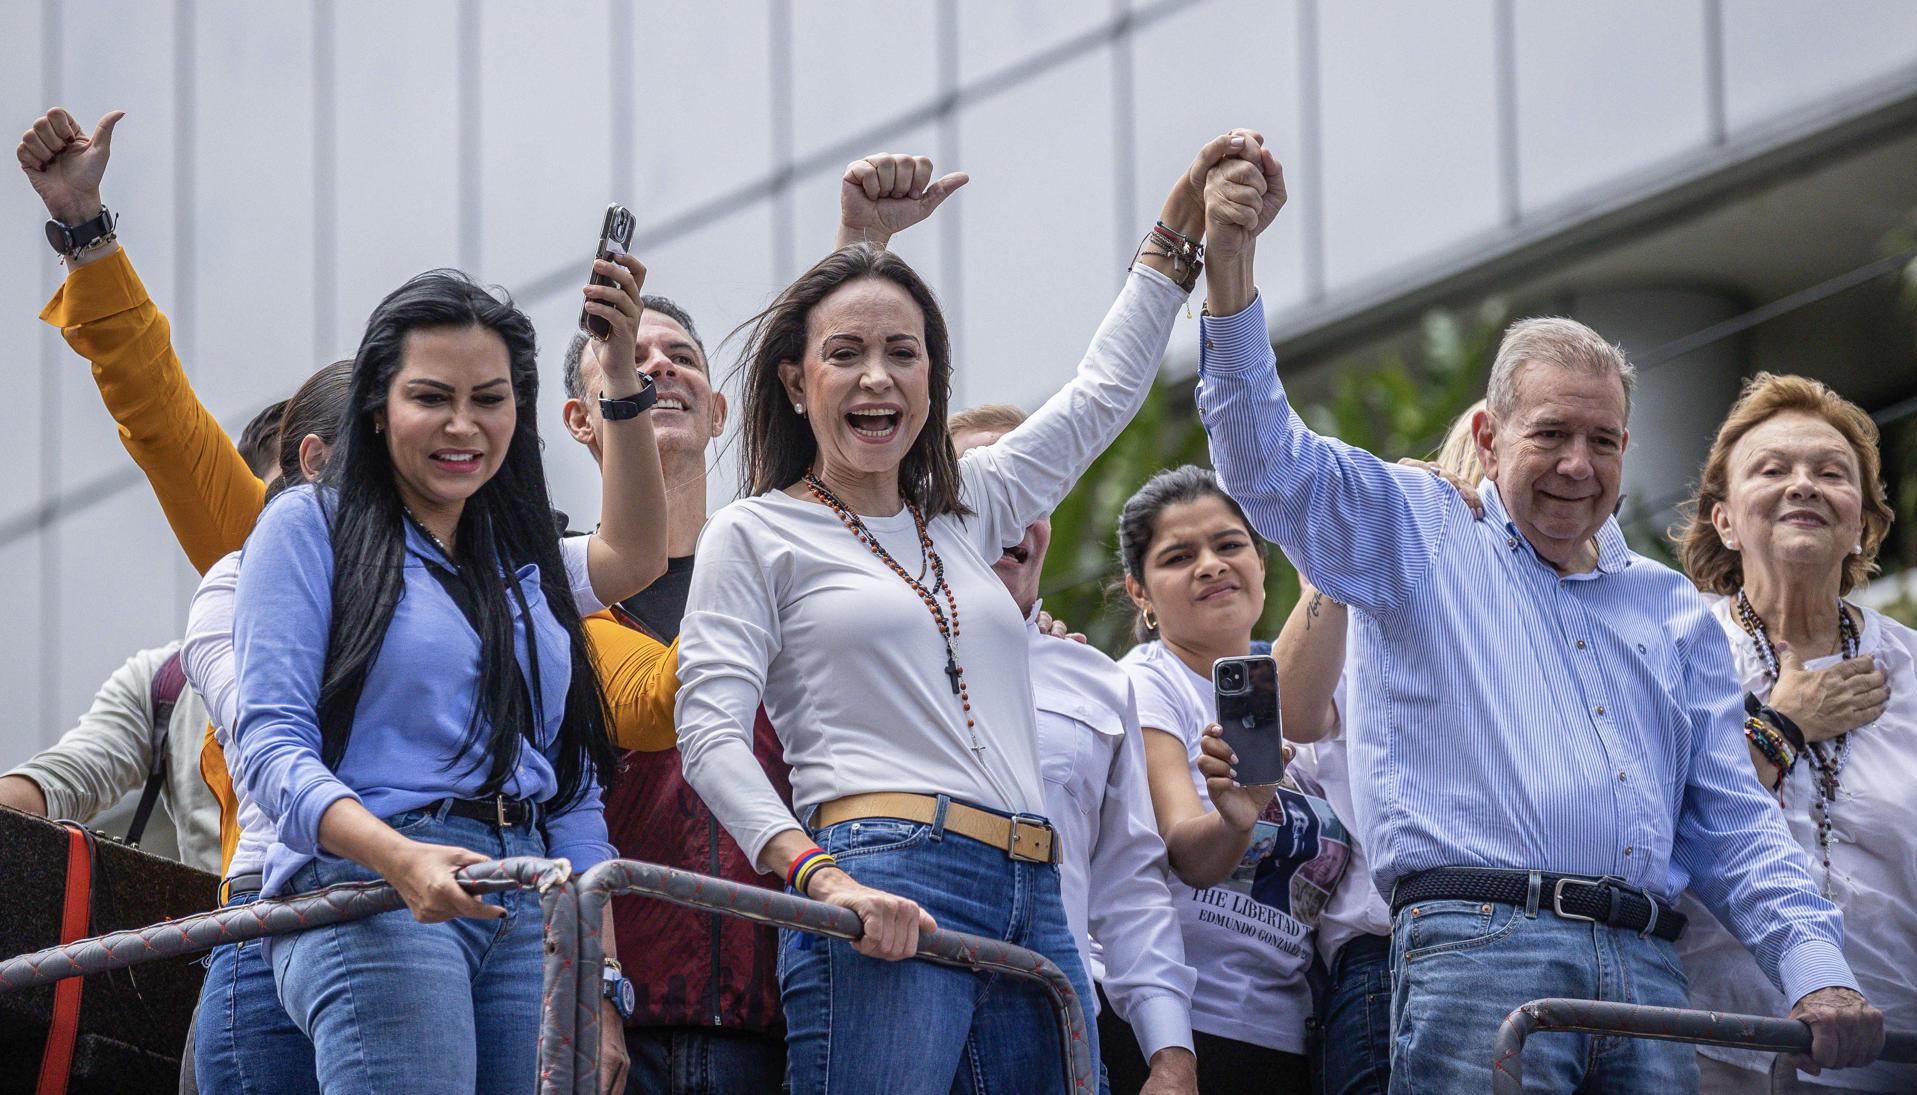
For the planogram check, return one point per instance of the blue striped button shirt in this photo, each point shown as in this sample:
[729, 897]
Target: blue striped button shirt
[1502, 715]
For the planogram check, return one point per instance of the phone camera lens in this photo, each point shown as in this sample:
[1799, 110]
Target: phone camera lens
[1231, 678]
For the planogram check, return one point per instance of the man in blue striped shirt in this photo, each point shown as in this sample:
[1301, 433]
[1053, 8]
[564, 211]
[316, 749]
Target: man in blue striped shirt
[1545, 743]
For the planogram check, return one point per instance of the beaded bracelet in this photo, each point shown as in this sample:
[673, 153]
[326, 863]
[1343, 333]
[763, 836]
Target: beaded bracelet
[1771, 744]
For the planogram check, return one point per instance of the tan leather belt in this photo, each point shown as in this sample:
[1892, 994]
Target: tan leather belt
[1026, 839]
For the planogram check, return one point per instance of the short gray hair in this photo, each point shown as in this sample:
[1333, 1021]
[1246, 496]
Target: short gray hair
[1557, 341]
[576, 349]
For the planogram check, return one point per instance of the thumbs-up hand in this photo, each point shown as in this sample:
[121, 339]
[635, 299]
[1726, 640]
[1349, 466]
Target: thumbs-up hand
[65, 164]
[1827, 702]
[885, 194]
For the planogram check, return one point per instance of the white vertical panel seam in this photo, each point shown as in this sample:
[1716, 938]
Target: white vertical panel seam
[51, 355]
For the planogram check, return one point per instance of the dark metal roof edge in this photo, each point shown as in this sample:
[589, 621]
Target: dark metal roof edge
[1783, 147]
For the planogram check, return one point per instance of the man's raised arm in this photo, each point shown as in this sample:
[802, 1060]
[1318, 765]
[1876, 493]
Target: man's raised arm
[1361, 530]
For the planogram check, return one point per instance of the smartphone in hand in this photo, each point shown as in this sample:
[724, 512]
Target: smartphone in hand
[1247, 693]
[615, 236]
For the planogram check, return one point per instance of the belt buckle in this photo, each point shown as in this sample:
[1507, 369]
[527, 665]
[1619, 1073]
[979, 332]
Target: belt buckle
[1012, 842]
[1557, 896]
[499, 808]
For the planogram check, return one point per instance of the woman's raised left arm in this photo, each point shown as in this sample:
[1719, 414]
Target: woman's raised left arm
[1026, 473]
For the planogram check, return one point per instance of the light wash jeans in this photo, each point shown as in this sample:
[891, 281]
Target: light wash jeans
[244, 1043]
[858, 1024]
[393, 1005]
[1459, 967]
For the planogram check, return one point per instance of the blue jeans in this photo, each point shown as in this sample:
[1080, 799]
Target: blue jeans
[244, 1043]
[1459, 967]
[702, 1061]
[395, 1005]
[1352, 1050]
[857, 1024]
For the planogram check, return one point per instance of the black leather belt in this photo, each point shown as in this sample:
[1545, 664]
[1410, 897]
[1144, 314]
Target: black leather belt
[241, 885]
[499, 811]
[1572, 897]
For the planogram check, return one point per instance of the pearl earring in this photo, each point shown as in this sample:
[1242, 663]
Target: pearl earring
[798, 409]
[1732, 544]
[1858, 550]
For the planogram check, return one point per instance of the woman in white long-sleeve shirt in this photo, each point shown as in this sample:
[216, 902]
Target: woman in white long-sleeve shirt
[852, 594]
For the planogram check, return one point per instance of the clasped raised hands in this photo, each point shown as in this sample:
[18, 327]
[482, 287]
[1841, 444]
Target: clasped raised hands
[65, 164]
[1243, 193]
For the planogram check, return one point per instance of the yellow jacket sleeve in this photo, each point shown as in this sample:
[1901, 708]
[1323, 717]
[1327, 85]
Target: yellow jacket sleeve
[211, 498]
[640, 677]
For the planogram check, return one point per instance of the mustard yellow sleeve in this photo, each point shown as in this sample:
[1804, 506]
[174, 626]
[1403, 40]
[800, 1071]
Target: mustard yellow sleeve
[640, 677]
[209, 495]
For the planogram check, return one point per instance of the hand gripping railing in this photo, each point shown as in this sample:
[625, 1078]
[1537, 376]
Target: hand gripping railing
[573, 910]
[334, 905]
[1707, 1028]
[697, 891]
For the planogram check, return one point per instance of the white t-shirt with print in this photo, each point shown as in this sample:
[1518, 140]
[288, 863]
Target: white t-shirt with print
[1250, 937]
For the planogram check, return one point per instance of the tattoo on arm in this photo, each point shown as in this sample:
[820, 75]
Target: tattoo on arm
[1311, 610]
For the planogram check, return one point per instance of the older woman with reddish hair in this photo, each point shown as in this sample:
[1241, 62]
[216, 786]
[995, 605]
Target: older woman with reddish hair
[1789, 514]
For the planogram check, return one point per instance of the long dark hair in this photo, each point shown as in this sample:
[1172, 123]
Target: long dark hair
[507, 523]
[1138, 522]
[316, 409]
[778, 446]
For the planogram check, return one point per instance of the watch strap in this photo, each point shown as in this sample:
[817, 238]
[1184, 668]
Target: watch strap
[632, 406]
[71, 240]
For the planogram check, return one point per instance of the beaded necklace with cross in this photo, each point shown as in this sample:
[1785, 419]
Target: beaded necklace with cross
[948, 625]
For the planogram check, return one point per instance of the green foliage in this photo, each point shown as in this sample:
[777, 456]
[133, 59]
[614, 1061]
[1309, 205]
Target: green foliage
[1398, 405]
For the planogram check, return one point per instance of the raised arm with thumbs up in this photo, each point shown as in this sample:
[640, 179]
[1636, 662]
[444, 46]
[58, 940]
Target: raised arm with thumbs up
[65, 165]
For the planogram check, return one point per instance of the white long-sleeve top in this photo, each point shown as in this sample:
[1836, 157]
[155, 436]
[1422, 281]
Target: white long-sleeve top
[207, 657]
[787, 608]
[1112, 866]
[1873, 863]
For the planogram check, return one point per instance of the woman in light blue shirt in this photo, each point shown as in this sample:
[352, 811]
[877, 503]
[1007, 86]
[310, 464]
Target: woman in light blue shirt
[415, 693]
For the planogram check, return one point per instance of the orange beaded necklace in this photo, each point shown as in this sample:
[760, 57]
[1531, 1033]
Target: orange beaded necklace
[948, 626]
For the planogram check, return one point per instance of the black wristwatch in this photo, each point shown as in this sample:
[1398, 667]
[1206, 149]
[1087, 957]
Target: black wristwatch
[618, 988]
[71, 241]
[618, 410]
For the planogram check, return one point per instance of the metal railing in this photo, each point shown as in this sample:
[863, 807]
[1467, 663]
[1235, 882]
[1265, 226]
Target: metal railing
[573, 908]
[1708, 1028]
[697, 891]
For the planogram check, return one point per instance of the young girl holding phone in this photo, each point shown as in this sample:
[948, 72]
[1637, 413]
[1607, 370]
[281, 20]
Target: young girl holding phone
[1253, 866]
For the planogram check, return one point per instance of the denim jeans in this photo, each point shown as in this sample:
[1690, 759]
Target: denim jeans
[1352, 1047]
[1459, 967]
[395, 1005]
[702, 1061]
[857, 1024]
[244, 1043]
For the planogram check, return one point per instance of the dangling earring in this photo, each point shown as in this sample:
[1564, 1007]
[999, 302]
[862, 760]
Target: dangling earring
[1151, 619]
[379, 427]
